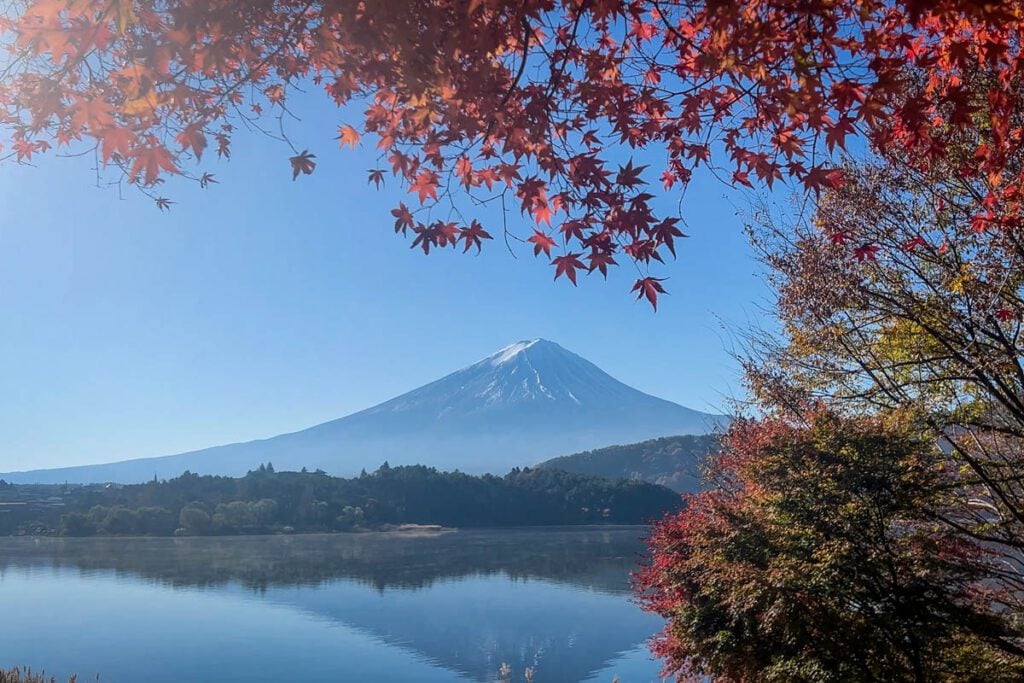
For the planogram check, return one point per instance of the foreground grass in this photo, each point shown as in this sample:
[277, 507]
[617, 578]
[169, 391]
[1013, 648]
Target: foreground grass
[18, 675]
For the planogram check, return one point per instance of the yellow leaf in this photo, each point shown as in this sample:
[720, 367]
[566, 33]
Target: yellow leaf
[140, 106]
[123, 14]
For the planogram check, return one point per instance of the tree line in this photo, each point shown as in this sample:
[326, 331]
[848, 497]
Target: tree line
[265, 501]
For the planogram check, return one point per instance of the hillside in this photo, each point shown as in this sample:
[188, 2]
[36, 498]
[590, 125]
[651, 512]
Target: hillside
[673, 461]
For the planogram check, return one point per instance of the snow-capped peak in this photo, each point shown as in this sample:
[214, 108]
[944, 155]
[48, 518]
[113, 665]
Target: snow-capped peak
[530, 401]
[511, 351]
[516, 385]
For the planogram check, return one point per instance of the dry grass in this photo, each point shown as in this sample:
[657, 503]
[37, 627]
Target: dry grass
[18, 675]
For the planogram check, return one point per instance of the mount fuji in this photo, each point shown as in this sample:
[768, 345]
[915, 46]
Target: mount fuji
[528, 402]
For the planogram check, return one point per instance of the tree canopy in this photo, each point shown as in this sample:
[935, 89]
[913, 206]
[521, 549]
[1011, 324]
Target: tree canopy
[528, 102]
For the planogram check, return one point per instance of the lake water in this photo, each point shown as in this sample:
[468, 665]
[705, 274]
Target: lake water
[344, 607]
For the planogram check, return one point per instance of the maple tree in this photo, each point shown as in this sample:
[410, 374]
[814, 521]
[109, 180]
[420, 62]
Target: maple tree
[907, 325]
[816, 554]
[932, 323]
[531, 103]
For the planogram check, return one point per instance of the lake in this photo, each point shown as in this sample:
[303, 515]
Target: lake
[342, 607]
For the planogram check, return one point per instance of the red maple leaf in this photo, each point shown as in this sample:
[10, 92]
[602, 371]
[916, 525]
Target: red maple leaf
[866, 252]
[424, 237]
[741, 177]
[403, 218]
[302, 163]
[665, 233]
[567, 265]
[446, 233]
[836, 134]
[542, 211]
[472, 235]
[531, 191]
[629, 175]
[821, 178]
[1005, 314]
[464, 171]
[668, 179]
[912, 244]
[649, 288]
[541, 242]
[92, 113]
[425, 185]
[600, 260]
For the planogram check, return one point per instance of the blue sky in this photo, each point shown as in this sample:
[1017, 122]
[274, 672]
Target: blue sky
[263, 305]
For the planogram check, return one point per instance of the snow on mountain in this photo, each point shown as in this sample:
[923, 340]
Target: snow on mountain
[529, 401]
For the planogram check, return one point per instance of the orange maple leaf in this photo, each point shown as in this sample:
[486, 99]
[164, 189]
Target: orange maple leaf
[347, 135]
[425, 185]
[149, 162]
[116, 141]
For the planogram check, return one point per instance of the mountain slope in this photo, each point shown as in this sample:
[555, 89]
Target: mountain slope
[529, 401]
[673, 461]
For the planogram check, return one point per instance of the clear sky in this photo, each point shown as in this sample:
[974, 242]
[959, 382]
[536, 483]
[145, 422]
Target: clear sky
[263, 305]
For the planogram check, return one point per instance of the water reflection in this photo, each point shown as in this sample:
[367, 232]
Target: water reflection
[447, 607]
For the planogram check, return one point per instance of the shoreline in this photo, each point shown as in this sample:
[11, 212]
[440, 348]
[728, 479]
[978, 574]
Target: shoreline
[397, 530]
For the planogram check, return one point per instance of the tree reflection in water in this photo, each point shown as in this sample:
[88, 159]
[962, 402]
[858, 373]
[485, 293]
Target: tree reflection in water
[556, 600]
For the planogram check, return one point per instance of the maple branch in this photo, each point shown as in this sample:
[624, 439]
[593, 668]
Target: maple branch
[527, 31]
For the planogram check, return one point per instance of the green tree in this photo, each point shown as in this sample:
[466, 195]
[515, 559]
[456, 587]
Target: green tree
[350, 518]
[76, 524]
[264, 512]
[234, 517]
[120, 521]
[156, 521]
[194, 519]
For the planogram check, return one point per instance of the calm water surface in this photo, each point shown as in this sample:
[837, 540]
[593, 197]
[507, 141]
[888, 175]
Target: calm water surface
[344, 607]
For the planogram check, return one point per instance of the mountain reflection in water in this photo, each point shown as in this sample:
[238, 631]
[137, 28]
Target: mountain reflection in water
[344, 607]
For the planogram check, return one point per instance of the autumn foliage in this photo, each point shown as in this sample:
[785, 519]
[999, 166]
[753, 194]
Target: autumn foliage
[931, 323]
[533, 105]
[817, 554]
[881, 538]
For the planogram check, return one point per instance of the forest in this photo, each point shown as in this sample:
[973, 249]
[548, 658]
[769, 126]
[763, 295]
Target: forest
[265, 501]
[672, 461]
